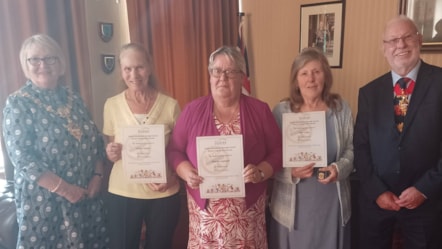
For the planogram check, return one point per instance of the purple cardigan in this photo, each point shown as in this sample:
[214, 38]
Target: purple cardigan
[261, 139]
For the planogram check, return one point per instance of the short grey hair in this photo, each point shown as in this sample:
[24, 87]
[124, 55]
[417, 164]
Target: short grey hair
[402, 18]
[233, 53]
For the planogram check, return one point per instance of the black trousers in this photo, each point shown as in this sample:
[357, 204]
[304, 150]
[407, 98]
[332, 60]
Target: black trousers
[419, 228]
[126, 216]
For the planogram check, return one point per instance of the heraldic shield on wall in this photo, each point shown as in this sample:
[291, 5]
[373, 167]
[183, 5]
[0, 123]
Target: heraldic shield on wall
[108, 63]
[106, 31]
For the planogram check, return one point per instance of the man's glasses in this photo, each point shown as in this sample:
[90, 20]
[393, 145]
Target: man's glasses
[405, 39]
[49, 60]
[229, 73]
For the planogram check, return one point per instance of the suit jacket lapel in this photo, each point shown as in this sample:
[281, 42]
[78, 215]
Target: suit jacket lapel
[421, 87]
[385, 102]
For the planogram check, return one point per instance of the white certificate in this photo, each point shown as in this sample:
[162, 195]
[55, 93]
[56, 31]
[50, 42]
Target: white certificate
[221, 163]
[143, 153]
[304, 139]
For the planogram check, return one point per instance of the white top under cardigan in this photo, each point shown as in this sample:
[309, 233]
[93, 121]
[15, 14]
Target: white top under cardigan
[282, 204]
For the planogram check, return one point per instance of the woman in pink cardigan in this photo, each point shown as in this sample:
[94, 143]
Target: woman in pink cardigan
[227, 222]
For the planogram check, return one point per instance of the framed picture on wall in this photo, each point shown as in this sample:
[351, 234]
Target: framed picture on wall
[427, 14]
[322, 26]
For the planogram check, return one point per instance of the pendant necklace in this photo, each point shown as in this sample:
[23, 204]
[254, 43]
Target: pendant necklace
[62, 111]
[147, 105]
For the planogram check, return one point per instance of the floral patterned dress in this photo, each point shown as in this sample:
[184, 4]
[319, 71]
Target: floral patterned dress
[226, 223]
[38, 140]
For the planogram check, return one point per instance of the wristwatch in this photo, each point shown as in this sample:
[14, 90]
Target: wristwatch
[262, 175]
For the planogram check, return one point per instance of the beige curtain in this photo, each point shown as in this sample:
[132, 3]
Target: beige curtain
[181, 34]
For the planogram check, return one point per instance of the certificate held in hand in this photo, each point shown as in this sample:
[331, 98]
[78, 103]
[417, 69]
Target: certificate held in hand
[304, 139]
[221, 163]
[143, 154]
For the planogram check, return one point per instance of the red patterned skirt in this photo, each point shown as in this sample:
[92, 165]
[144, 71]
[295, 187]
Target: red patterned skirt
[226, 223]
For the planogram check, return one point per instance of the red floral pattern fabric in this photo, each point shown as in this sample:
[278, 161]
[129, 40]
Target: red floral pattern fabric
[233, 127]
[401, 101]
[226, 223]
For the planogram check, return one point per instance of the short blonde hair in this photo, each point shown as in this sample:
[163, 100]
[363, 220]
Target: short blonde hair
[152, 81]
[45, 42]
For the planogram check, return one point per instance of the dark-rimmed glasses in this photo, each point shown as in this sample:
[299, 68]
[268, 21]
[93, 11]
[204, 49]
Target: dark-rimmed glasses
[405, 39]
[48, 60]
[229, 73]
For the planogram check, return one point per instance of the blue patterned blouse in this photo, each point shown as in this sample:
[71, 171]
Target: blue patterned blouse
[41, 134]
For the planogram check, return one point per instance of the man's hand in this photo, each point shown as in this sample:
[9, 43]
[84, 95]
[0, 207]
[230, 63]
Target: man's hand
[387, 201]
[410, 198]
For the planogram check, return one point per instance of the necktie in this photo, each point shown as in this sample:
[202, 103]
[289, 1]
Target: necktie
[401, 100]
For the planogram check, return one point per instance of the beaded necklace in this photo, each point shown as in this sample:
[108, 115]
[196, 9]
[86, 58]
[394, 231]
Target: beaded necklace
[63, 112]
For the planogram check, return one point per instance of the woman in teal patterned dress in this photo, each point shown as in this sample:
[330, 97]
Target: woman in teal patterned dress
[57, 152]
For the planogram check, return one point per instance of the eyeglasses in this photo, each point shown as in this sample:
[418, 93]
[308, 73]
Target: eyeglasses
[405, 39]
[229, 73]
[49, 60]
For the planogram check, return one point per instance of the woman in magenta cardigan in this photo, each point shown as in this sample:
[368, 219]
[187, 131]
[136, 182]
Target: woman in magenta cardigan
[227, 222]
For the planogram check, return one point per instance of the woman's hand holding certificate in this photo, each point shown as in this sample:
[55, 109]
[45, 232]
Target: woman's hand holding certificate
[113, 151]
[189, 175]
[221, 163]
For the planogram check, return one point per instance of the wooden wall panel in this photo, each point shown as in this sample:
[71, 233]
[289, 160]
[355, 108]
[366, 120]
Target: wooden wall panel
[272, 30]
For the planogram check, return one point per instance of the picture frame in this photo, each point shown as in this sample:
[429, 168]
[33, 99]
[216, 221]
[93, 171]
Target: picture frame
[427, 14]
[322, 26]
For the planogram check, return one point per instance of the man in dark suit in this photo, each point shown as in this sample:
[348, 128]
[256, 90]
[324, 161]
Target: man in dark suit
[398, 149]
